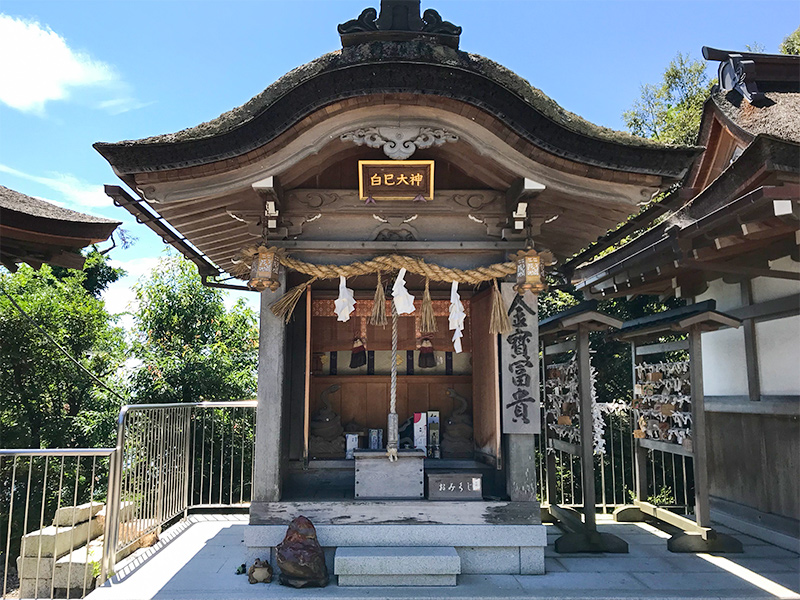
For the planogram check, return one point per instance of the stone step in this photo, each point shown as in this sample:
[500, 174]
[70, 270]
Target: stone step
[66, 516]
[56, 541]
[397, 566]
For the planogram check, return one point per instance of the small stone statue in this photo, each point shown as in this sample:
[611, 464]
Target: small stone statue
[457, 430]
[300, 557]
[260, 572]
[326, 428]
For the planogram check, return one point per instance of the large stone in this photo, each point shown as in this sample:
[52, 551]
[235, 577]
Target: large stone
[300, 557]
[33, 588]
[67, 516]
[29, 567]
[79, 568]
[58, 541]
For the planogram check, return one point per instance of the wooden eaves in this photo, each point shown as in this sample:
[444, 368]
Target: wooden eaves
[567, 323]
[679, 320]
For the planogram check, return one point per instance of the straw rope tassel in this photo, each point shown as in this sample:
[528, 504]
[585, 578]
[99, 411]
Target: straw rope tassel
[392, 425]
[499, 321]
[378, 316]
[285, 305]
[427, 320]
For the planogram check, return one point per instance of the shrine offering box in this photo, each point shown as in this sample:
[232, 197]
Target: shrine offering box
[455, 486]
[378, 479]
[420, 430]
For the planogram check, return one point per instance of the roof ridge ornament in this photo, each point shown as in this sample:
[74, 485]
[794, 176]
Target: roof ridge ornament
[399, 20]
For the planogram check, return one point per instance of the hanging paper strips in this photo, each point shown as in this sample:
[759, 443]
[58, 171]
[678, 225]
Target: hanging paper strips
[457, 315]
[403, 301]
[345, 303]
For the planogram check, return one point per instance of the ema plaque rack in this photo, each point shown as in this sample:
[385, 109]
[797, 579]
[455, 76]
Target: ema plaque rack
[669, 413]
[568, 425]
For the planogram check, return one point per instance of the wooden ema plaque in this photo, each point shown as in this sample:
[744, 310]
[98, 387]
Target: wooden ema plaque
[395, 180]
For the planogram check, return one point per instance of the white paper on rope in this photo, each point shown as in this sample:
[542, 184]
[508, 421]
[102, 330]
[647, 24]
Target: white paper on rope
[403, 301]
[345, 303]
[457, 316]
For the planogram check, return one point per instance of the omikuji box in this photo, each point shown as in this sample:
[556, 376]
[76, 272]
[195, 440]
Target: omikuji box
[420, 430]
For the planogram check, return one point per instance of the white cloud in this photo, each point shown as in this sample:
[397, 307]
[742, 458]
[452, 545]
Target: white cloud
[37, 66]
[75, 191]
[119, 296]
[135, 268]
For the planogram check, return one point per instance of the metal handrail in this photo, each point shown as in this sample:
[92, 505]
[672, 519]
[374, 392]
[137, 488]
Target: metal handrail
[111, 540]
[48, 454]
[57, 452]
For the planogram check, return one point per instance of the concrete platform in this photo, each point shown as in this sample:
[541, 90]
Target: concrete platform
[397, 566]
[198, 559]
[490, 537]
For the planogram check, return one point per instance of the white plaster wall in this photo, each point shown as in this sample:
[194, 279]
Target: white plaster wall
[724, 366]
[728, 296]
[778, 347]
[768, 288]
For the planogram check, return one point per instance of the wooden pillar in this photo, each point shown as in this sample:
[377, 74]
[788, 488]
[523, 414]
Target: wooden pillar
[639, 453]
[750, 348]
[699, 450]
[587, 438]
[271, 377]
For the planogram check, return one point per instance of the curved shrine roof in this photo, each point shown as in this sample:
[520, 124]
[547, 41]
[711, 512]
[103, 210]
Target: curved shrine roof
[415, 66]
[35, 231]
[34, 207]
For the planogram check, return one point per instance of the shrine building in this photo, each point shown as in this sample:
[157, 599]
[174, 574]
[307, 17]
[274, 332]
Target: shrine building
[399, 182]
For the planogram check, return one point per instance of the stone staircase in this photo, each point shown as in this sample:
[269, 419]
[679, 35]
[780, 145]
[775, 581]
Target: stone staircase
[66, 555]
[397, 566]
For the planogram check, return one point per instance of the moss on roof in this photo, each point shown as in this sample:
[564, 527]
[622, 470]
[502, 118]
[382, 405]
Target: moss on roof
[417, 51]
[779, 116]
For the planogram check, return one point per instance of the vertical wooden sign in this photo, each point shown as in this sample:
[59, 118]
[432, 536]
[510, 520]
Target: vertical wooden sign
[519, 364]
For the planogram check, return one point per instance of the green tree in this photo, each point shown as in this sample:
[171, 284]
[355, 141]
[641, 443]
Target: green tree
[191, 348]
[670, 111]
[791, 43]
[45, 399]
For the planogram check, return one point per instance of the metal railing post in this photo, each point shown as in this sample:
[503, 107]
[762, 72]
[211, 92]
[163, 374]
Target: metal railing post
[187, 464]
[113, 501]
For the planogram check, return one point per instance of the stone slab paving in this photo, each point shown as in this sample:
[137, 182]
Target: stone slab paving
[197, 561]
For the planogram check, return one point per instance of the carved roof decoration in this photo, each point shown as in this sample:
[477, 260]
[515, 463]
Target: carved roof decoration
[751, 74]
[399, 143]
[417, 67]
[399, 20]
[758, 93]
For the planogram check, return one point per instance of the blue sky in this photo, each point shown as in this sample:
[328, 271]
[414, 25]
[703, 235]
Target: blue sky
[76, 72]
